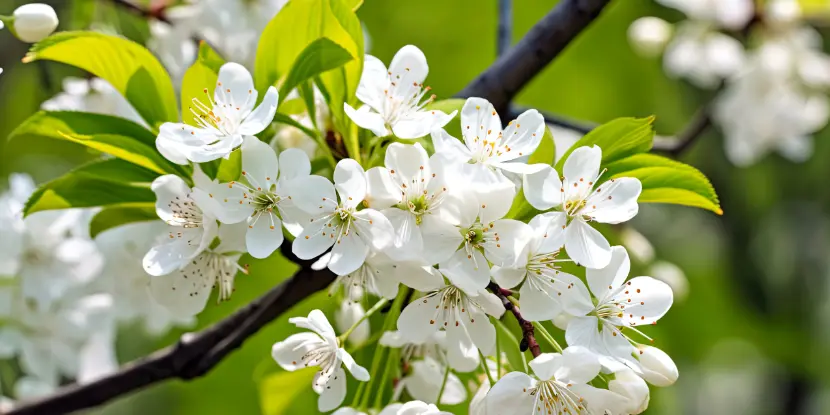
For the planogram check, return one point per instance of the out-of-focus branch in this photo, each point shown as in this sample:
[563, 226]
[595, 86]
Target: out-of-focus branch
[546, 39]
[504, 36]
[528, 332]
[671, 145]
[155, 12]
[194, 355]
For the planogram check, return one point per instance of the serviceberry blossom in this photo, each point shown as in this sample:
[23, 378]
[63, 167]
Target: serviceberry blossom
[488, 152]
[415, 192]
[321, 348]
[223, 121]
[380, 275]
[462, 315]
[260, 198]
[560, 386]
[582, 199]
[394, 98]
[184, 292]
[338, 223]
[605, 316]
[191, 230]
[541, 292]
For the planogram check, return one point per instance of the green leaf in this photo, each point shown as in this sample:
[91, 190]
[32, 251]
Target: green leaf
[281, 44]
[99, 183]
[617, 138]
[230, 168]
[546, 152]
[112, 217]
[200, 77]
[278, 391]
[319, 56]
[128, 66]
[116, 136]
[667, 181]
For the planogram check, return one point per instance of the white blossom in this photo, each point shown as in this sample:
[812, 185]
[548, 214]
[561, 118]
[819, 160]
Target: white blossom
[338, 223]
[582, 199]
[261, 198]
[34, 21]
[656, 366]
[488, 152]
[626, 383]
[560, 386]
[393, 98]
[349, 314]
[224, 120]
[424, 383]
[380, 276]
[321, 348]
[649, 35]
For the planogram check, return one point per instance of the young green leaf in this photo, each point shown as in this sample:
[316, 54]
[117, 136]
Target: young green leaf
[128, 66]
[91, 185]
[617, 138]
[111, 217]
[319, 56]
[108, 134]
[667, 181]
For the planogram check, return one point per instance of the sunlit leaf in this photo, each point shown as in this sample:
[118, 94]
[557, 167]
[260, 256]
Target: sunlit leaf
[617, 138]
[199, 81]
[111, 217]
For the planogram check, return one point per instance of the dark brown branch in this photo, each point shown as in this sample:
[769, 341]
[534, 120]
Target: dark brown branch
[194, 355]
[546, 39]
[672, 146]
[152, 12]
[528, 332]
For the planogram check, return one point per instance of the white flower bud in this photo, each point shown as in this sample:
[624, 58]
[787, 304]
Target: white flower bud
[634, 388]
[649, 35]
[33, 22]
[657, 367]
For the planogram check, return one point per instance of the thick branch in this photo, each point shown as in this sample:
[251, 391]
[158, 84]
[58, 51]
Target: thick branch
[193, 356]
[528, 332]
[512, 71]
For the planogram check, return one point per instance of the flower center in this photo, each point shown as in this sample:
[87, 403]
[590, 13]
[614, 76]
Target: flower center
[222, 116]
[454, 306]
[404, 96]
[355, 283]
[185, 213]
[554, 397]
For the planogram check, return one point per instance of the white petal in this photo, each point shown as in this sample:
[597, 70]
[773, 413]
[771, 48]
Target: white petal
[373, 81]
[293, 163]
[413, 275]
[657, 367]
[183, 293]
[575, 297]
[367, 119]
[449, 147]
[311, 242]
[539, 301]
[313, 194]
[545, 365]
[479, 120]
[632, 387]
[586, 246]
[462, 353]
[235, 87]
[615, 201]
[579, 365]
[259, 163]
[603, 281]
[176, 252]
[416, 321]
[350, 182]
[441, 237]
[177, 141]
[422, 383]
[600, 401]
[289, 352]
[520, 168]
[209, 152]
[583, 163]
[508, 277]
[374, 228]
[549, 232]
[454, 393]
[421, 123]
[264, 235]
[543, 190]
[506, 241]
[410, 163]
[317, 322]
[649, 298]
[348, 254]
[523, 135]
[222, 202]
[407, 234]
[168, 189]
[334, 392]
[470, 274]
[359, 372]
[381, 191]
[583, 331]
[511, 391]
[481, 331]
[261, 117]
[495, 200]
[410, 64]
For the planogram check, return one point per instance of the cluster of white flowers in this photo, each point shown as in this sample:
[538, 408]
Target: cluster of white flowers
[433, 224]
[769, 61]
[59, 289]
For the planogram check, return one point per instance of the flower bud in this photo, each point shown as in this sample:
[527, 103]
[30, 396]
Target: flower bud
[657, 367]
[633, 388]
[349, 314]
[33, 22]
[648, 35]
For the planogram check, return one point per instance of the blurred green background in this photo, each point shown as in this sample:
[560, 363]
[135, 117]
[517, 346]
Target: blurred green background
[752, 333]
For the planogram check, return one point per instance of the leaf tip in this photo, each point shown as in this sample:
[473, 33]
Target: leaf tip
[719, 212]
[30, 57]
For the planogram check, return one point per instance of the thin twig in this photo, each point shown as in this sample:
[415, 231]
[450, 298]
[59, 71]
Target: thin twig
[528, 331]
[546, 39]
[152, 12]
[505, 29]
